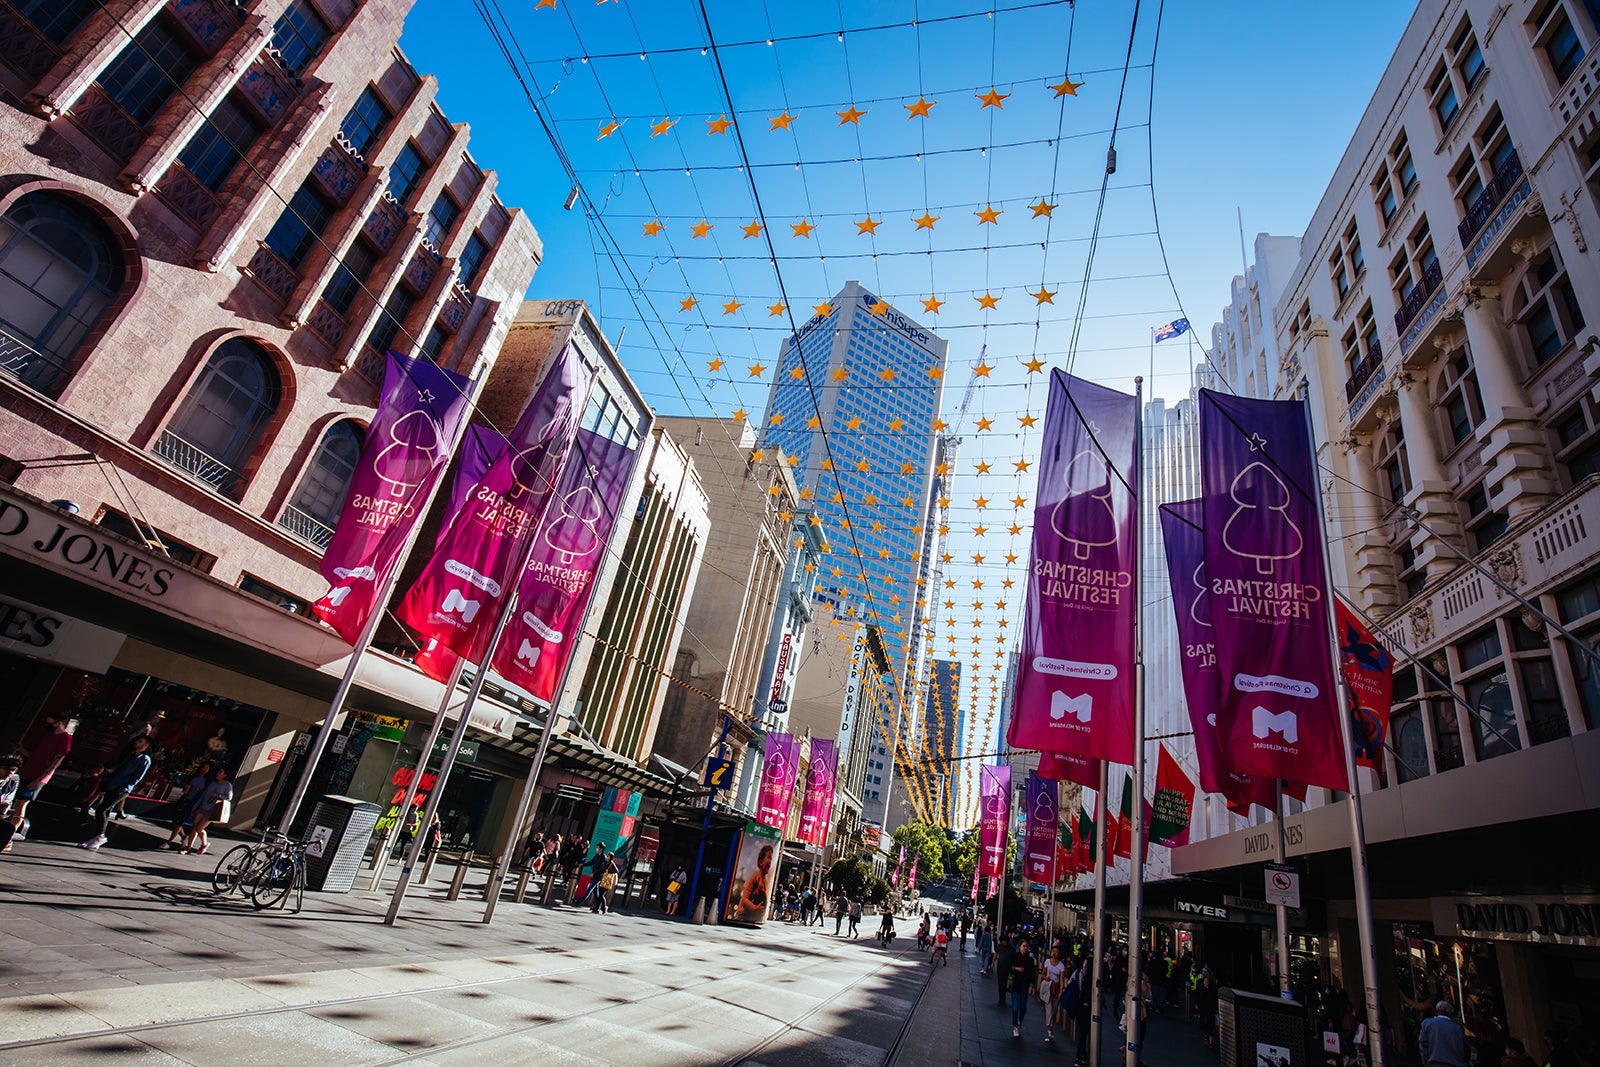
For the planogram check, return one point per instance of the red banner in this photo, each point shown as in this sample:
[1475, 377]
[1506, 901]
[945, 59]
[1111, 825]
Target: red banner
[1369, 678]
[1174, 803]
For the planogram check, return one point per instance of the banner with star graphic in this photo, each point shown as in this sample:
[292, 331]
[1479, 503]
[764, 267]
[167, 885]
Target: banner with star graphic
[1277, 713]
[1075, 686]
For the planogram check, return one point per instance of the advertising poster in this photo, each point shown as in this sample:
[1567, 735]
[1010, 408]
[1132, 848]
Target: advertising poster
[613, 828]
[750, 890]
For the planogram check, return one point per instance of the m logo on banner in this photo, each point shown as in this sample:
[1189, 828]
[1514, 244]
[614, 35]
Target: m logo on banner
[1283, 723]
[455, 601]
[1062, 705]
[528, 654]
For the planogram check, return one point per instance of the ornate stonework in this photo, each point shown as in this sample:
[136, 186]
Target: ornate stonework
[1421, 625]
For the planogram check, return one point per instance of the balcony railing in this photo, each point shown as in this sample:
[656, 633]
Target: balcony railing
[1483, 209]
[103, 119]
[1417, 299]
[273, 273]
[310, 530]
[28, 365]
[1363, 371]
[195, 461]
[23, 47]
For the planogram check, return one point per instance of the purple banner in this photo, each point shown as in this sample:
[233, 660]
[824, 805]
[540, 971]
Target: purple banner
[778, 772]
[1277, 713]
[567, 553]
[1043, 809]
[1075, 685]
[994, 818]
[1202, 686]
[459, 596]
[816, 810]
[418, 421]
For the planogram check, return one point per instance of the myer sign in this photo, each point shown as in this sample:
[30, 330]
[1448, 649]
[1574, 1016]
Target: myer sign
[1546, 920]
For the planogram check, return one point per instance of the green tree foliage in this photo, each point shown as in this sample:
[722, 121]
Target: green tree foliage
[849, 876]
[928, 844]
[966, 854]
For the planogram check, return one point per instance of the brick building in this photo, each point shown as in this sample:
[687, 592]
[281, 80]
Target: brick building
[215, 217]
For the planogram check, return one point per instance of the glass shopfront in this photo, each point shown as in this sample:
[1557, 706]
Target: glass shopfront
[1429, 968]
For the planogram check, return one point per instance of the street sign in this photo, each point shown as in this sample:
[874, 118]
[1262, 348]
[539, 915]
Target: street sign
[1283, 885]
[719, 774]
[778, 707]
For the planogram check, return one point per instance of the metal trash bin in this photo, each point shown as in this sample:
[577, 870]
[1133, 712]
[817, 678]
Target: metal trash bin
[1259, 1031]
[336, 840]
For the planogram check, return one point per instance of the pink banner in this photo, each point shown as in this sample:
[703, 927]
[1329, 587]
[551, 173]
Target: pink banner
[1043, 811]
[567, 553]
[1202, 687]
[778, 772]
[419, 419]
[816, 810]
[1062, 767]
[1075, 684]
[1277, 716]
[994, 818]
[461, 592]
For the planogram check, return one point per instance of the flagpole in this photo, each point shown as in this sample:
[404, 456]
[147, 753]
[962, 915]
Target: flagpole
[1136, 862]
[1358, 834]
[380, 604]
[1281, 909]
[456, 737]
[422, 764]
[1095, 1028]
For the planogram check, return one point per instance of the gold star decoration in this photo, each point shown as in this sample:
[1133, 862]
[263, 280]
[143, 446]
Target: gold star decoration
[774, 310]
[983, 467]
[989, 214]
[823, 308]
[1035, 365]
[927, 220]
[608, 128]
[1019, 501]
[1022, 467]
[797, 373]
[850, 114]
[936, 372]
[1044, 296]
[659, 128]
[1041, 208]
[987, 300]
[702, 228]
[896, 425]
[984, 424]
[866, 225]
[980, 530]
[977, 557]
[741, 414]
[753, 229]
[921, 107]
[731, 307]
[879, 307]
[933, 304]
[757, 369]
[1026, 420]
[853, 423]
[545, 3]
[687, 303]
[714, 366]
[887, 374]
[981, 502]
[802, 228]
[719, 124]
[782, 121]
[758, 455]
[840, 373]
[1016, 529]
[940, 425]
[653, 227]
[981, 370]
[1068, 87]
[992, 98]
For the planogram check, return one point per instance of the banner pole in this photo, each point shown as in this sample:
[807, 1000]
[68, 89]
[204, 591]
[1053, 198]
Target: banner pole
[1136, 863]
[1095, 1029]
[1358, 835]
[1281, 909]
[424, 756]
[380, 604]
[456, 737]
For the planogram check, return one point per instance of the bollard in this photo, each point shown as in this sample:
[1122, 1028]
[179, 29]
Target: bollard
[460, 876]
[698, 916]
[711, 911]
[491, 888]
[381, 855]
[378, 871]
[427, 866]
[549, 887]
[522, 885]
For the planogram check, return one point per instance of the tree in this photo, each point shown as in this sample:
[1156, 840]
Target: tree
[927, 843]
[967, 854]
[849, 876]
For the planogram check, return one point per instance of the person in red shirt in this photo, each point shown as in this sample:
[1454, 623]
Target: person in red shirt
[41, 764]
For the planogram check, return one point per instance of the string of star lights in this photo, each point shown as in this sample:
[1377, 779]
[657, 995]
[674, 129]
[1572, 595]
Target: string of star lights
[739, 163]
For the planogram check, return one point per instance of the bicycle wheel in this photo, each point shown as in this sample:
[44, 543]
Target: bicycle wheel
[299, 885]
[231, 869]
[274, 883]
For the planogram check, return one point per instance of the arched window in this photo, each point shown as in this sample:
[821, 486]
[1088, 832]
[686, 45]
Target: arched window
[223, 417]
[315, 509]
[60, 269]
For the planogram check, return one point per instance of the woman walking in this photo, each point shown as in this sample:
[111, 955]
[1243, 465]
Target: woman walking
[215, 806]
[183, 824]
[1051, 984]
[129, 773]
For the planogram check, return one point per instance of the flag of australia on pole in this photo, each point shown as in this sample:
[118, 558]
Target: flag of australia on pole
[1175, 328]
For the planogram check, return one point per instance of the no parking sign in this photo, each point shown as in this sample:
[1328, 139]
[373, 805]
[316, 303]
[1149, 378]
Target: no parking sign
[1283, 885]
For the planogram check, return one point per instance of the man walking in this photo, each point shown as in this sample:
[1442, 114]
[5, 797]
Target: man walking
[841, 908]
[37, 769]
[855, 919]
[1441, 1040]
[966, 927]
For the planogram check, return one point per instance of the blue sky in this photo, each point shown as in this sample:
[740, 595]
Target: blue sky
[1253, 103]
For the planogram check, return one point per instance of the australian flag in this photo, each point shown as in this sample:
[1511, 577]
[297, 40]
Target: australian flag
[1175, 328]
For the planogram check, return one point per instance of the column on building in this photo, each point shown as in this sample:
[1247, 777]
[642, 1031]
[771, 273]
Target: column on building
[1430, 496]
[1515, 451]
[1373, 582]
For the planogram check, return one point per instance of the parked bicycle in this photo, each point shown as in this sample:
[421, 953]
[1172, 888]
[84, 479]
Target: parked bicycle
[239, 867]
[267, 871]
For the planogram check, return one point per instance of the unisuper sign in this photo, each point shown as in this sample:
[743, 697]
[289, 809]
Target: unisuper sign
[1547, 920]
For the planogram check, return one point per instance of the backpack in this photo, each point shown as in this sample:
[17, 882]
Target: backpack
[1072, 995]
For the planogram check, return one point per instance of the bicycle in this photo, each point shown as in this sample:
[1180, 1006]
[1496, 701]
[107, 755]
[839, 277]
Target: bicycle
[242, 864]
[285, 873]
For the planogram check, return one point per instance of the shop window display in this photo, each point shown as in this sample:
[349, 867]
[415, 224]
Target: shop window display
[1430, 968]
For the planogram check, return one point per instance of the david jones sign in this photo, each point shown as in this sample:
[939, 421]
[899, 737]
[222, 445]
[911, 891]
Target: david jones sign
[1548, 920]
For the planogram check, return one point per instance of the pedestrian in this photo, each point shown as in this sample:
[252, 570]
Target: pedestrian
[183, 823]
[841, 908]
[435, 839]
[985, 946]
[1441, 1040]
[129, 773]
[1022, 979]
[532, 850]
[1003, 951]
[10, 782]
[1079, 1003]
[855, 919]
[808, 904]
[596, 866]
[1051, 985]
[675, 884]
[35, 772]
[214, 806]
[1205, 994]
[1516, 1055]
[966, 927]
[605, 884]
